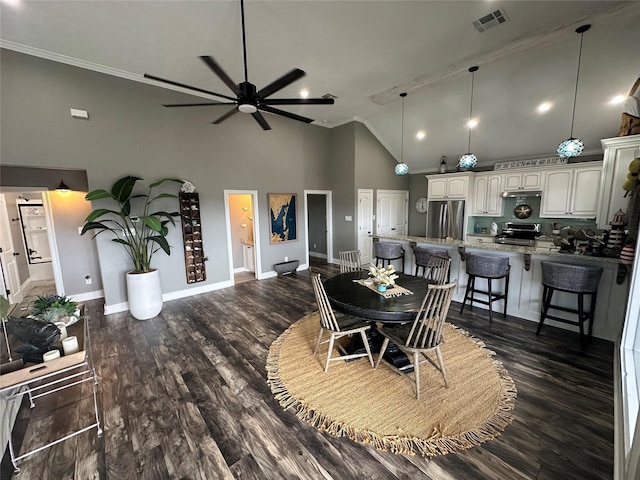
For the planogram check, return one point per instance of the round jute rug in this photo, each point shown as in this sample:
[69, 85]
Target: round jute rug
[379, 407]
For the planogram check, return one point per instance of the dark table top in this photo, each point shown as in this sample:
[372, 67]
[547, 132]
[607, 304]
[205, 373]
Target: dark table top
[350, 297]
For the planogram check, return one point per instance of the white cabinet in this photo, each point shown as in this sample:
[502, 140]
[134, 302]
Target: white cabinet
[522, 181]
[248, 258]
[571, 191]
[448, 186]
[618, 153]
[486, 196]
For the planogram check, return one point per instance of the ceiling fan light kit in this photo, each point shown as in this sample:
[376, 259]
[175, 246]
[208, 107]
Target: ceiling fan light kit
[402, 168]
[248, 99]
[573, 147]
[469, 160]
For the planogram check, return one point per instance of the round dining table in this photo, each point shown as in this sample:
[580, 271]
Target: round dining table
[349, 296]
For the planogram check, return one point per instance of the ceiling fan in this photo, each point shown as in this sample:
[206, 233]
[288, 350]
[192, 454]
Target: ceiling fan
[248, 98]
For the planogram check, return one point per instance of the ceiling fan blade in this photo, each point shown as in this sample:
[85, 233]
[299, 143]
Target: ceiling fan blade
[221, 119]
[189, 87]
[280, 83]
[298, 101]
[217, 69]
[208, 104]
[261, 120]
[282, 113]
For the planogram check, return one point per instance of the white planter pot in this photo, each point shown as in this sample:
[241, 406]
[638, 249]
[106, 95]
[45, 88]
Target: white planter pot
[144, 293]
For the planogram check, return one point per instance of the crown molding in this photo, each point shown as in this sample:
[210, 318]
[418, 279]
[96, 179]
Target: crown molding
[95, 67]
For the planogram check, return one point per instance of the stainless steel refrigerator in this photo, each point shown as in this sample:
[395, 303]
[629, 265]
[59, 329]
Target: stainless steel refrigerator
[445, 219]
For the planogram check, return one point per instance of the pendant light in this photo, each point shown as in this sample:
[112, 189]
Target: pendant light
[469, 160]
[62, 187]
[572, 147]
[402, 168]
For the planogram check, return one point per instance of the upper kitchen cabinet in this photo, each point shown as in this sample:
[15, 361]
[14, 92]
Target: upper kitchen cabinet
[448, 186]
[522, 181]
[486, 195]
[571, 191]
[618, 153]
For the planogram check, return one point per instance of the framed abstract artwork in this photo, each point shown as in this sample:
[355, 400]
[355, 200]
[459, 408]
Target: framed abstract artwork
[283, 225]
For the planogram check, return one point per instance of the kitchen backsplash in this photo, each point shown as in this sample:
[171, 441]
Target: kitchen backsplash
[534, 202]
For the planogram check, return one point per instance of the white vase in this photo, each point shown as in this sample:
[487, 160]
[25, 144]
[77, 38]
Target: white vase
[144, 293]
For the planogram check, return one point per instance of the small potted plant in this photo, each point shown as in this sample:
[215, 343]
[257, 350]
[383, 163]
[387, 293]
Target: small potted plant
[55, 308]
[383, 277]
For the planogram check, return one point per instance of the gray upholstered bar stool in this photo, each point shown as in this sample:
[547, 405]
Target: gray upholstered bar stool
[579, 279]
[490, 268]
[422, 256]
[388, 251]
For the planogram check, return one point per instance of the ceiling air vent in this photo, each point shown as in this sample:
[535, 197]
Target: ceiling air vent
[491, 20]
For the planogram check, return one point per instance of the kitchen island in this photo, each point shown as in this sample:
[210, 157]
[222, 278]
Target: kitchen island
[525, 284]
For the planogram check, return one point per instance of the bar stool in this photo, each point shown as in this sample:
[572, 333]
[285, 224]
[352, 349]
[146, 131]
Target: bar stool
[388, 251]
[422, 256]
[578, 279]
[490, 268]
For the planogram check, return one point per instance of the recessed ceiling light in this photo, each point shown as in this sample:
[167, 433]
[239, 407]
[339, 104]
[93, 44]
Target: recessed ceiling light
[14, 3]
[617, 99]
[420, 135]
[304, 93]
[472, 123]
[544, 107]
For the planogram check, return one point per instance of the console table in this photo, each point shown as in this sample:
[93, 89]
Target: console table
[38, 380]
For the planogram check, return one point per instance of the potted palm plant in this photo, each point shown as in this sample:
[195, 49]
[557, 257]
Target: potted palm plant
[142, 231]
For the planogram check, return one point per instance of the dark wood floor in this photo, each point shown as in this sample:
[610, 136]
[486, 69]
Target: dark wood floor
[184, 396]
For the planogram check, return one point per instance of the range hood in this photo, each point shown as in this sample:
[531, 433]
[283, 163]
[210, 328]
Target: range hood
[521, 193]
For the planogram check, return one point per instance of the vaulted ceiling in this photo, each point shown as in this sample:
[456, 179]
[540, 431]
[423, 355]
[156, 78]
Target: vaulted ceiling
[365, 53]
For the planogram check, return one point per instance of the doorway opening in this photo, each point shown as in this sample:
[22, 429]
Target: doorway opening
[30, 264]
[319, 226]
[243, 240]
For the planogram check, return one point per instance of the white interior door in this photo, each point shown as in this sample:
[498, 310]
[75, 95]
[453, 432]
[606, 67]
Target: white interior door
[11, 278]
[391, 213]
[365, 225]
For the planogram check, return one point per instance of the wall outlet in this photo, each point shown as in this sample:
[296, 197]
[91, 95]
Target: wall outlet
[88, 280]
[286, 259]
[314, 245]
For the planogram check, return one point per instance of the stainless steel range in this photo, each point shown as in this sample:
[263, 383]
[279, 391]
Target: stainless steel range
[523, 234]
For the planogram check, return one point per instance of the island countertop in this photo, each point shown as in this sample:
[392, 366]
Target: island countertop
[525, 284]
[496, 247]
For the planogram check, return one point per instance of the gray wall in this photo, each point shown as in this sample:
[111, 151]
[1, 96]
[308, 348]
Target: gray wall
[417, 189]
[341, 171]
[374, 165]
[129, 132]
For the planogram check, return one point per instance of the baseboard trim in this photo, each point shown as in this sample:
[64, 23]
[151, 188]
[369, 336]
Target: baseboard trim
[123, 307]
[83, 297]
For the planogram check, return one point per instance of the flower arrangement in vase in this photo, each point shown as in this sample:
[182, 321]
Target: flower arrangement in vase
[383, 277]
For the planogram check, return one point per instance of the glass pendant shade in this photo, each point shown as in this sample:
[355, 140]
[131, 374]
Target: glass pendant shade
[468, 160]
[402, 169]
[571, 147]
